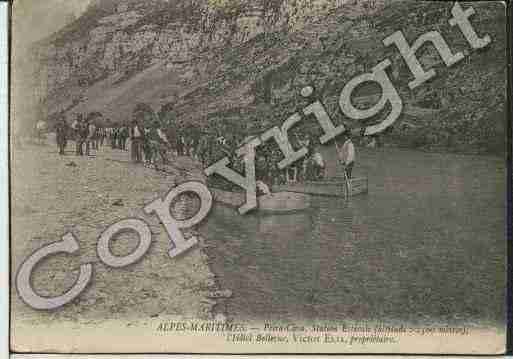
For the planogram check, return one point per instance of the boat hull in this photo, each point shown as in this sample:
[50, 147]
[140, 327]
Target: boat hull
[335, 187]
[273, 203]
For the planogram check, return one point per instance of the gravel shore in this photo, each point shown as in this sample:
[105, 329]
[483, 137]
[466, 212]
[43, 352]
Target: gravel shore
[52, 195]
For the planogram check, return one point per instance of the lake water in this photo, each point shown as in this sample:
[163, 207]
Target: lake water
[427, 243]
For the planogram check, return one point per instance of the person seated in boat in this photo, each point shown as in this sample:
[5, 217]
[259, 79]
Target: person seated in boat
[346, 153]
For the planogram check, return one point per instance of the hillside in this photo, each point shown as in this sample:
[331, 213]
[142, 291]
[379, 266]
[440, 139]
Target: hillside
[243, 64]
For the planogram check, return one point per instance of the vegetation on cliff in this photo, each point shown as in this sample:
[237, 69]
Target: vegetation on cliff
[254, 80]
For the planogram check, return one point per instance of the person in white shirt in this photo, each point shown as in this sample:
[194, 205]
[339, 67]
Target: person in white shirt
[319, 164]
[346, 153]
[41, 129]
[137, 137]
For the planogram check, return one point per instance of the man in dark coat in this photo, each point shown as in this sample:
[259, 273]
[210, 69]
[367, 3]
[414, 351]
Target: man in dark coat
[61, 131]
[123, 136]
[79, 134]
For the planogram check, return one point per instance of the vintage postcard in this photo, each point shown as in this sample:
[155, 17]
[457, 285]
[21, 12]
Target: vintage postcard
[269, 176]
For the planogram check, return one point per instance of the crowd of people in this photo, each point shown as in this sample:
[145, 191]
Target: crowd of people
[155, 139]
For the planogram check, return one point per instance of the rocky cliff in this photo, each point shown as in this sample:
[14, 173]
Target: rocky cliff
[239, 61]
[122, 38]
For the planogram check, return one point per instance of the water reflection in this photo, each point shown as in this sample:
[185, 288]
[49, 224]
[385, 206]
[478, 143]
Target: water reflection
[280, 263]
[430, 230]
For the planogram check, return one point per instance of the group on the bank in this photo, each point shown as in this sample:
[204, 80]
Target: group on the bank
[155, 139]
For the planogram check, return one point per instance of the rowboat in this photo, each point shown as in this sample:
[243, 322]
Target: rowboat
[334, 187]
[273, 203]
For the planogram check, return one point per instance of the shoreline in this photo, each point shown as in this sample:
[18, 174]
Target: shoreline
[219, 303]
[52, 195]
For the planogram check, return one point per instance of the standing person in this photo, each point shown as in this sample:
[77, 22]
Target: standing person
[172, 138]
[203, 148]
[294, 171]
[156, 144]
[123, 136]
[318, 163]
[164, 145]
[278, 175]
[309, 162]
[346, 154]
[132, 140]
[261, 167]
[303, 141]
[92, 136]
[167, 119]
[115, 137]
[41, 128]
[209, 156]
[112, 137]
[86, 135]
[149, 146]
[80, 134]
[179, 140]
[119, 137]
[137, 137]
[101, 135]
[96, 138]
[75, 125]
[61, 131]
[195, 135]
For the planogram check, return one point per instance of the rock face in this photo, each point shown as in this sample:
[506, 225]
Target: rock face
[244, 62]
[114, 37]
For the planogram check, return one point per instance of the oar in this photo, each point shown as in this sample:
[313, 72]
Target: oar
[348, 185]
